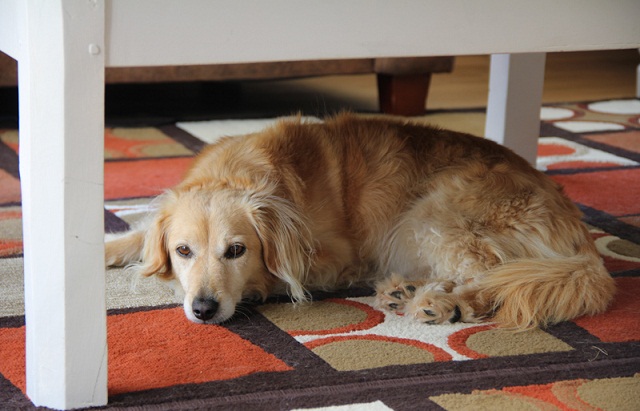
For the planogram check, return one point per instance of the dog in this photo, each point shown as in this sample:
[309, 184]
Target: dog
[450, 227]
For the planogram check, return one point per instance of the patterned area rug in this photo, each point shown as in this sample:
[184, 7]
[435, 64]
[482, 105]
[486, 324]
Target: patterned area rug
[340, 351]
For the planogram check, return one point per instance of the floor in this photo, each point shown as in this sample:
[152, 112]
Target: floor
[575, 76]
[572, 76]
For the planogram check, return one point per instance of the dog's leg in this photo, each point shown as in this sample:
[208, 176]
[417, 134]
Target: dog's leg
[124, 249]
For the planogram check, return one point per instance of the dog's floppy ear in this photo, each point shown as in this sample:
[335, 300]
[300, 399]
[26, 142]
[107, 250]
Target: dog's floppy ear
[155, 256]
[285, 240]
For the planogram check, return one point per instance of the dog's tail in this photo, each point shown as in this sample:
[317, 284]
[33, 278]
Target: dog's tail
[531, 293]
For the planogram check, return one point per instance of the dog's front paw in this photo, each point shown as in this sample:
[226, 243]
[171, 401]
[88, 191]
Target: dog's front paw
[393, 294]
[434, 307]
[435, 303]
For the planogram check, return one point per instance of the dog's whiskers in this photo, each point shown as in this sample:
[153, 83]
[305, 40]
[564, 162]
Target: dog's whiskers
[245, 307]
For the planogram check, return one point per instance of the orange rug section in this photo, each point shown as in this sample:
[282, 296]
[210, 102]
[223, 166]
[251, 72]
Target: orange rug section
[143, 178]
[9, 248]
[156, 349]
[10, 192]
[620, 323]
[615, 192]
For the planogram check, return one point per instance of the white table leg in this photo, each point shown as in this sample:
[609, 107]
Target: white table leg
[515, 96]
[61, 89]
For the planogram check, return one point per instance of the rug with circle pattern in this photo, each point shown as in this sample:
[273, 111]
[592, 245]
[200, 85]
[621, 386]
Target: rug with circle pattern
[339, 352]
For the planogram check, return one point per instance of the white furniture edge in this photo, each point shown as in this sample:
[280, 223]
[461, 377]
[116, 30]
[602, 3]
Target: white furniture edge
[61, 83]
[63, 46]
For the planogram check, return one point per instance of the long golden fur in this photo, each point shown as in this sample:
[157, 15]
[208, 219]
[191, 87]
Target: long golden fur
[453, 227]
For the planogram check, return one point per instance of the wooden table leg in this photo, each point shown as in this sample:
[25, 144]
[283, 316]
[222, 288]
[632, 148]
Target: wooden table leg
[403, 95]
[638, 80]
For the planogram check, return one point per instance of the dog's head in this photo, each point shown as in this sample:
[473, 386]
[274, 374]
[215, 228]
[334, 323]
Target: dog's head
[225, 245]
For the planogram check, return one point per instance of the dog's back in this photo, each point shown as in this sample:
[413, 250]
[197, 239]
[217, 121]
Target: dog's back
[351, 177]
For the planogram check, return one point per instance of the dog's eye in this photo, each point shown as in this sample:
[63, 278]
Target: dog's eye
[235, 251]
[183, 251]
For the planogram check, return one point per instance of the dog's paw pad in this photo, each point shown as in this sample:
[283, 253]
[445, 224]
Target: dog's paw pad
[430, 313]
[392, 301]
[393, 293]
[433, 307]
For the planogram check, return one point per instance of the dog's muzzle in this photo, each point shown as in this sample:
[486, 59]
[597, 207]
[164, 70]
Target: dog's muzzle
[204, 308]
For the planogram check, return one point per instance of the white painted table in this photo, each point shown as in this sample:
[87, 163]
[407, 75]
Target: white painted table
[63, 46]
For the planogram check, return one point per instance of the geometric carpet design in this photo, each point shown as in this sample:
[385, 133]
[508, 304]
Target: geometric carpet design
[339, 352]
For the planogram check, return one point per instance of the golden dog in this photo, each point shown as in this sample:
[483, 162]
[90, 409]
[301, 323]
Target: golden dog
[469, 230]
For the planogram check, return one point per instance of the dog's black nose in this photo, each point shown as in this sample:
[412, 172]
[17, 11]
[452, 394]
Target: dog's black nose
[204, 308]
